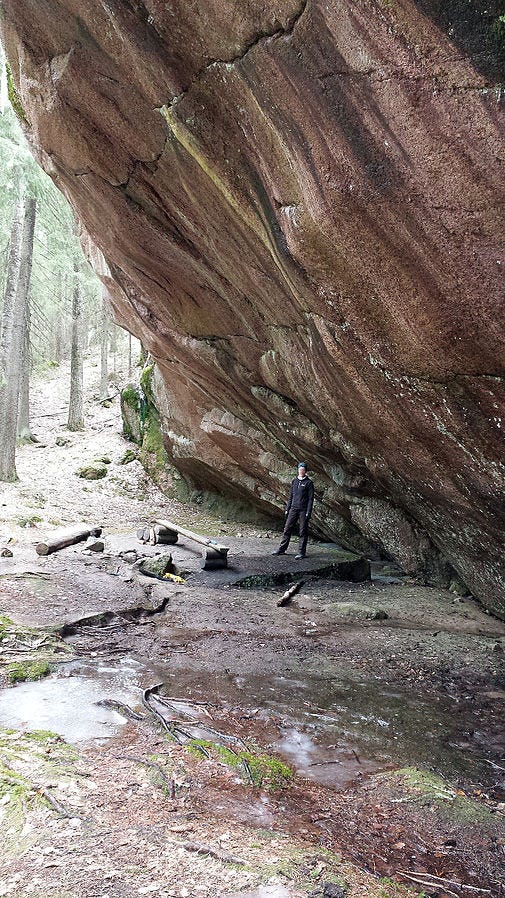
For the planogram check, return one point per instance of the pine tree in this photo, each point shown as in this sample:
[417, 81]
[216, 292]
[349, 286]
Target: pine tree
[13, 334]
[75, 409]
[24, 316]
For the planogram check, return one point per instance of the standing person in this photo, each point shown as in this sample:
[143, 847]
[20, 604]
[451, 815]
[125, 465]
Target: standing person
[299, 508]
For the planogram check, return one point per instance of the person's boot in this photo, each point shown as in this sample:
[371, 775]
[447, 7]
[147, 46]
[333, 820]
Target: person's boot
[279, 552]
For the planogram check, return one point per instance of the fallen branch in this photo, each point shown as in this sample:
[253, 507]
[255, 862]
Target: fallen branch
[248, 771]
[288, 595]
[323, 763]
[120, 708]
[55, 804]
[17, 780]
[440, 880]
[492, 763]
[200, 848]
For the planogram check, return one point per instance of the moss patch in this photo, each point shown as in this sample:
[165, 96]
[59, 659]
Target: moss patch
[146, 382]
[14, 97]
[31, 521]
[32, 653]
[129, 456]
[94, 471]
[131, 398]
[20, 671]
[264, 770]
[430, 789]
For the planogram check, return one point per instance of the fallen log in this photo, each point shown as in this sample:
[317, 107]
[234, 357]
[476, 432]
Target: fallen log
[214, 555]
[68, 537]
[288, 595]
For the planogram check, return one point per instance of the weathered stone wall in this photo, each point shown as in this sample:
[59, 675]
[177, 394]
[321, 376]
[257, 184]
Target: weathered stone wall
[301, 204]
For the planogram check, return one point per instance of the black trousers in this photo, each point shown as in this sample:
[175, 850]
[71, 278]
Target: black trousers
[294, 515]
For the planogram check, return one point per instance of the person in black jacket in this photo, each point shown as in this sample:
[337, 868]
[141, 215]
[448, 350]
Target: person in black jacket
[299, 508]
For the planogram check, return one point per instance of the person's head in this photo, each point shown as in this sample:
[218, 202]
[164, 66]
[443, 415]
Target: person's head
[302, 468]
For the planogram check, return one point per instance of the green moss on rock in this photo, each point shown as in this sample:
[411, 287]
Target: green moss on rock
[129, 456]
[19, 672]
[264, 770]
[103, 460]
[146, 382]
[131, 398]
[14, 97]
[451, 803]
[94, 471]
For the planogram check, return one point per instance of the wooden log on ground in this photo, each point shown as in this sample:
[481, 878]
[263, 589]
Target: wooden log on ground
[63, 538]
[214, 556]
[213, 559]
[288, 595]
[163, 536]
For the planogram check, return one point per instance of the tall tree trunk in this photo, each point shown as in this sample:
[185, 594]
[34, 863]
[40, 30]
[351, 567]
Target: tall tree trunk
[58, 320]
[11, 285]
[113, 345]
[75, 416]
[12, 342]
[104, 345]
[23, 313]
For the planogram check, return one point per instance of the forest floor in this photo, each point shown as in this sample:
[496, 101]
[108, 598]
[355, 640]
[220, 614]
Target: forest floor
[350, 743]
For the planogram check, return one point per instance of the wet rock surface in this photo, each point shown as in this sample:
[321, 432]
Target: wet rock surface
[301, 208]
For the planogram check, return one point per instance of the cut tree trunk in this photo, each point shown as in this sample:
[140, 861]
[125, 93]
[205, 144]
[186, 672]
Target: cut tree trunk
[75, 409]
[63, 538]
[24, 313]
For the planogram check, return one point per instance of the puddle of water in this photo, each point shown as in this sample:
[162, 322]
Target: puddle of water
[67, 703]
[332, 731]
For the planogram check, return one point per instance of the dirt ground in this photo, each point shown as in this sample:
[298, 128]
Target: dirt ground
[350, 743]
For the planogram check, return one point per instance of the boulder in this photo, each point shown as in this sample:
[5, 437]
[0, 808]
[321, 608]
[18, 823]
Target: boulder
[301, 208]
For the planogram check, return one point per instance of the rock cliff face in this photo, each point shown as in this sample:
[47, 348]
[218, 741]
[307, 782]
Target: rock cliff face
[301, 203]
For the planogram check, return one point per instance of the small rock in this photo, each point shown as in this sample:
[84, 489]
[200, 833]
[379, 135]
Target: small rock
[240, 535]
[92, 472]
[93, 544]
[496, 648]
[5, 552]
[130, 455]
[332, 890]
[380, 614]
[62, 441]
[130, 556]
[103, 459]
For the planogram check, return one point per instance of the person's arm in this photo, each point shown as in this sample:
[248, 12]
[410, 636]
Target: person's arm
[311, 500]
[290, 500]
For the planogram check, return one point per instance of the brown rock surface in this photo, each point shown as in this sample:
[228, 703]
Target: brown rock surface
[301, 204]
